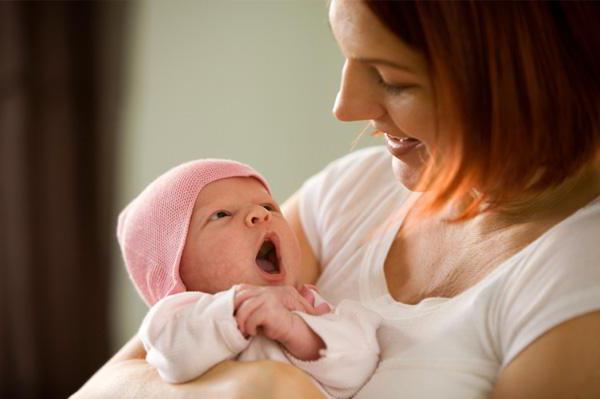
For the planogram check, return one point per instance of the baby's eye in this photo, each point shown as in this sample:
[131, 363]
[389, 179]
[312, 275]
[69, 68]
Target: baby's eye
[269, 207]
[218, 215]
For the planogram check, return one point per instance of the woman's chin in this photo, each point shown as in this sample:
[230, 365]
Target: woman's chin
[407, 174]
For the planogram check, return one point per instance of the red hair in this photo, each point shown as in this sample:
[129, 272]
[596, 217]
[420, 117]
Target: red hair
[521, 81]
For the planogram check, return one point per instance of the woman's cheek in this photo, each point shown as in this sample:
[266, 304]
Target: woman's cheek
[413, 114]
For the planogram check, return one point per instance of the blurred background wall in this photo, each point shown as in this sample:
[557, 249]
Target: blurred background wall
[96, 99]
[249, 80]
[61, 86]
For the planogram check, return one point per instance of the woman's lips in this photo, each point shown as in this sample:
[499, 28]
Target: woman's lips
[400, 146]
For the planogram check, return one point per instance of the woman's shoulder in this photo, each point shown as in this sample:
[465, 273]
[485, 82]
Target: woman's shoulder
[576, 236]
[365, 171]
[347, 198]
[567, 255]
[554, 279]
[360, 158]
[367, 160]
[356, 181]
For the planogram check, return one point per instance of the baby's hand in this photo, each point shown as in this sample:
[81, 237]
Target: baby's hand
[270, 308]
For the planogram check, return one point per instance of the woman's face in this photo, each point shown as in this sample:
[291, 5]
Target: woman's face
[387, 83]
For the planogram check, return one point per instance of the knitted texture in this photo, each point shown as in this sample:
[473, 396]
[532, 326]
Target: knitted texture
[152, 229]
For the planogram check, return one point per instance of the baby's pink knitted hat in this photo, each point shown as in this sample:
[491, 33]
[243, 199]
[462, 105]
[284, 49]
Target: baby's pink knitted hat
[152, 229]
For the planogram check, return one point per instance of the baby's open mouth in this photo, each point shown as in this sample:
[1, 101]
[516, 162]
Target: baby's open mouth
[267, 259]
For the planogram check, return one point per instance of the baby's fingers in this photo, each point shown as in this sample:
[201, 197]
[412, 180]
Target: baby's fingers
[319, 310]
[254, 320]
[244, 311]
[322, 309]
[307, 294]
[242, 293]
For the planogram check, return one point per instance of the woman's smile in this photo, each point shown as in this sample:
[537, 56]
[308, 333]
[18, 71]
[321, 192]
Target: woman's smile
[399, 146]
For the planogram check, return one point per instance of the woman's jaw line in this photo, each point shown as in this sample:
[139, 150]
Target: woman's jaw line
[408, 175]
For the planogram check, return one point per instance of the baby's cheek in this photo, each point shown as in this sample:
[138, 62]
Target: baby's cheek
[227, 272]
[295, 256]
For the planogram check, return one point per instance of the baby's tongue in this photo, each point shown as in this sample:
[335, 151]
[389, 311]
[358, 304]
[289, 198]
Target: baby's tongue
[266, 265]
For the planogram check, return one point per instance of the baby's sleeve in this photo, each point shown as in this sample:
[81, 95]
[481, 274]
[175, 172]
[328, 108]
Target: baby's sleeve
[186, 334]
[351, 351]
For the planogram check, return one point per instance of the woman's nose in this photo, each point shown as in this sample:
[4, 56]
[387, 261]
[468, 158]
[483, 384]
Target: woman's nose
[257, 215]
[357, 98]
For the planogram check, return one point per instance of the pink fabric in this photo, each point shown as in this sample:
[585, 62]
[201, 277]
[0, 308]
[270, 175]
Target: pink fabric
[152, 229]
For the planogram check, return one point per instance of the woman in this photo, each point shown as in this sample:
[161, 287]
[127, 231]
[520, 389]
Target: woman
[486, 272]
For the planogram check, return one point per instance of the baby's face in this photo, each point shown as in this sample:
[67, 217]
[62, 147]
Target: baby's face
[237, 234]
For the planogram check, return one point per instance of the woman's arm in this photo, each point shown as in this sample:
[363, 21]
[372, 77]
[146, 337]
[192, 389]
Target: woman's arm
[563, 363]
[127, 375]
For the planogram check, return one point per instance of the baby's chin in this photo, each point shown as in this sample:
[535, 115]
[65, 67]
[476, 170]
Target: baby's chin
[209, 286]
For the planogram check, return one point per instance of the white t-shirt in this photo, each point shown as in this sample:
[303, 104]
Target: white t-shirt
[442, 347]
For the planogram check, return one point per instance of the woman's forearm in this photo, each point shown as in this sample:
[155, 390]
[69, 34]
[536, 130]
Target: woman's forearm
[127, 375]
[137, 379]
[126, 379]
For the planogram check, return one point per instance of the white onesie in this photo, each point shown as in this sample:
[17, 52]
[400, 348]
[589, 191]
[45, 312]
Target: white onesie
[188, 333]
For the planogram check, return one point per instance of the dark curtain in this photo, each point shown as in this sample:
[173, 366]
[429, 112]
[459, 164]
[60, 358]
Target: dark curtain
[60, 78]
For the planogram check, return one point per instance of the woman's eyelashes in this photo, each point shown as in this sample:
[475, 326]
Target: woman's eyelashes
[391, 88]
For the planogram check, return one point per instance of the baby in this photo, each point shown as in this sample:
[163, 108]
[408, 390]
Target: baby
[209, 250]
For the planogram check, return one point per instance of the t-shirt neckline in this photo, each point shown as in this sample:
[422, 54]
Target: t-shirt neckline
[373, 285]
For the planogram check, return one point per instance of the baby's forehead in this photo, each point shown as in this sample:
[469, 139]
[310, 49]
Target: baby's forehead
[233, 190]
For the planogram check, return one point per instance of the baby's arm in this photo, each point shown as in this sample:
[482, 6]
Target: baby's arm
[339, 349]
[186, 334]
[352, 351]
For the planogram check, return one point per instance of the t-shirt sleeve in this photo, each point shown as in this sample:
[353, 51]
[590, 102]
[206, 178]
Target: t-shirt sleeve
[557, 280]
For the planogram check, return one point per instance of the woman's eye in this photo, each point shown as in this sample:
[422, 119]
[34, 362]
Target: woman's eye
[390, 88]
[219, 215]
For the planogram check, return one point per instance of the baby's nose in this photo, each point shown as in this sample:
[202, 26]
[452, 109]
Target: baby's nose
[257, 215]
